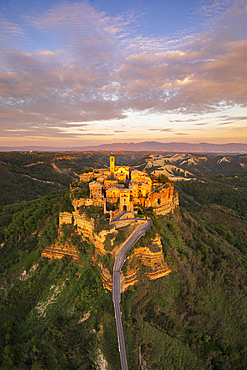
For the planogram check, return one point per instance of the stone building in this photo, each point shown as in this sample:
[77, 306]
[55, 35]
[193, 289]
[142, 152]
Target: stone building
[122, 173]
[110, 184]
[96, 189]
[125, 204]
[86, 177]
[112, 194]
[118, 185]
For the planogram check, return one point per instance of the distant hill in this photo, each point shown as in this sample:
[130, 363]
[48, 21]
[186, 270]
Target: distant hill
[229, 148]
[178, 166]
[174, 147]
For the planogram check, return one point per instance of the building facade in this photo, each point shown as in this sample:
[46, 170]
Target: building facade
[128, 189]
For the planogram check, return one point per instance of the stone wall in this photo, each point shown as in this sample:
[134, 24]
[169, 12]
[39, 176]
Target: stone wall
[114, 214]
[82, 222]
[127, 222]
[76, 203]
[85, 227]
[58, 252]
[166, 206]
[106, 277]
[163, 200]
[65, 218]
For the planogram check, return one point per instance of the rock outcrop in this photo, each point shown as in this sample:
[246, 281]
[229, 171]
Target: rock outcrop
[147, 260]
[153, 263]
[60, 249]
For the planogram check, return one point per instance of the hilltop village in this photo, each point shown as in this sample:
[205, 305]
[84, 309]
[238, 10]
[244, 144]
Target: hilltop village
[124, 196]
[123, 189]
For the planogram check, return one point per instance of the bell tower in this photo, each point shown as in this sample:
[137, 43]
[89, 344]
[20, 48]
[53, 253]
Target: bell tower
[112, 164]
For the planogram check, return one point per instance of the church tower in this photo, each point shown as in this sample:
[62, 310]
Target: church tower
[112, 164]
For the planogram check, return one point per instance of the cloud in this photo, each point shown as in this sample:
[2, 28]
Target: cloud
[235, 131]
[158, 129]
[102, 71]
[96, 134]
[202, 123]
[71, 16]
[9, 32]
[119, 131]
[239, 118]
[229, 119]
[191, 120]
[46, 130]
[88, 36]
[226, 123]
[180, 133]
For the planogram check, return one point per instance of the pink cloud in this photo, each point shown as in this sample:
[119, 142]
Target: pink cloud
[103, 73]
[9, 31]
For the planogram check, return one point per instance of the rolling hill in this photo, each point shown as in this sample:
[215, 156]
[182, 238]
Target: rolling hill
[186, 165]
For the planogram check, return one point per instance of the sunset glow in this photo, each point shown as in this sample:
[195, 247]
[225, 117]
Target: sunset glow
[77, 73]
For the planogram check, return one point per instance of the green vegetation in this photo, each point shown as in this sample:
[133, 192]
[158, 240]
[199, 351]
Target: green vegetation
[80, 190]
[18, 187]
[193, 311]
[55, 314]
[116, 238]
[112, 206]
[45, 328]
[28, 176]
[107, 244]
[164, 179]
[42, 301]
[101, 220]
[21, 225]
[228, 192]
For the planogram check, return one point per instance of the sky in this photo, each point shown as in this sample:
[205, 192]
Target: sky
[78, 73]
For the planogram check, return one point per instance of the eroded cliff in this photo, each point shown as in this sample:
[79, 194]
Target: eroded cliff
[148, 260]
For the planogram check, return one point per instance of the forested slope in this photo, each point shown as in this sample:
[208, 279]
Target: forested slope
[55, 314]
[41, 300]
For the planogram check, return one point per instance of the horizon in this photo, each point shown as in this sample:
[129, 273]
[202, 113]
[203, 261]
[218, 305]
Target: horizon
[83, 73]
[147, 146]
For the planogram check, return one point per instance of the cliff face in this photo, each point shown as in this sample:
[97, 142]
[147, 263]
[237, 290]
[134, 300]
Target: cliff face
[148, 260]
[60, 249]
[163, 200]
[65, 218]
[84, 227]
[144, 261]
[166, 205]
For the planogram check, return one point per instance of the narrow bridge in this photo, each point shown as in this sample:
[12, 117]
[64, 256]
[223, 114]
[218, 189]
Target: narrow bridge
[116, 292]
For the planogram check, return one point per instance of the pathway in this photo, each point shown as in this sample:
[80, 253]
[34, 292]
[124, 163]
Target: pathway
[116, 292]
